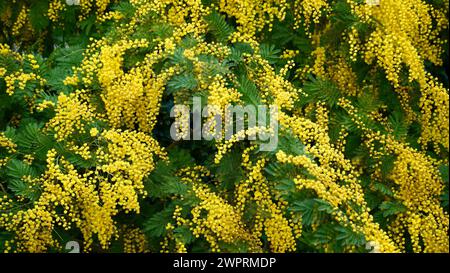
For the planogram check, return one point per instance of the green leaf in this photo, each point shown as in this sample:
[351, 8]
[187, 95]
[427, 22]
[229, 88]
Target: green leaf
[184, 234]
[443, 170]
[238, 49]
[324, 234]
[278, 171]
[285, 186]
[229, 169]
[21, 188]
[4, 236]
[249, 91]
[162, 30]
[180, 158]
[162, 182]
[311, 209]
[373, 200]
[444, 200]
[269, 52]
[125, 8]
[385, 190]
[174, 187]
[30, 140]
[17, 169]
[88, 24]
[320, 90]
[282, 34]
[78, 160]
[185, 81]
[290, 144]
[367, 103]
[398, 124]
[55, 78]
[348, 237]
[392, 207]
[68, 56]
[387, 164]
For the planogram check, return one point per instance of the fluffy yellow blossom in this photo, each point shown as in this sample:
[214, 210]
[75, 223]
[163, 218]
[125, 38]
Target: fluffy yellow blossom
[345, 78]
[7, 143]
[319, 61]
[19, 80]
[102, 144]
[253, 15]
[2, 71]
[134, 241]
[222, 222]
[419, 186]
[20, 21]
[44, 105]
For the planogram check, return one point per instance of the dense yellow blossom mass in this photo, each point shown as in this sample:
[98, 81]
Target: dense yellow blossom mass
[360, 93]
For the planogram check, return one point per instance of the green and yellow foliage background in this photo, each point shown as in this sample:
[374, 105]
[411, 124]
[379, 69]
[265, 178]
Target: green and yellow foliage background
[86, 155]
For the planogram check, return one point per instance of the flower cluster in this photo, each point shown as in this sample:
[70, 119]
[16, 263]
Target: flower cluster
[359, 92]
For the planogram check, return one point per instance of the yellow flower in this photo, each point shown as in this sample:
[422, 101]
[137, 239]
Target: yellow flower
[93, 132]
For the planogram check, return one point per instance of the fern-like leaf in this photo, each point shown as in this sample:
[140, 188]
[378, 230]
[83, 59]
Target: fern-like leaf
[219, 27]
